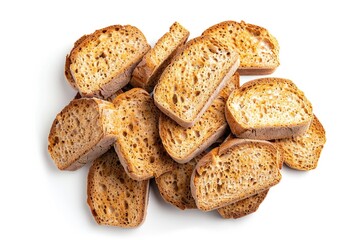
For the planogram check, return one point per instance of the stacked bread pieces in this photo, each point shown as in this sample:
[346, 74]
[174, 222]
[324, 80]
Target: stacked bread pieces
[176, 135]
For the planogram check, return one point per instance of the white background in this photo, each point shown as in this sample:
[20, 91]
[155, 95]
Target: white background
[319, 51]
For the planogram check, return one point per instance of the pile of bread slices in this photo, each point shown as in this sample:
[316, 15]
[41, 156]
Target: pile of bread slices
[178, 113]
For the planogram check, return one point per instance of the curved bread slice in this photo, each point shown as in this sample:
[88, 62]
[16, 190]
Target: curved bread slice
[243, 207]
[183, 144]
[258, 49]
[113, 197]
[174, 186]
[238, 169]
[268, 108]
[81, 132]
[138, 142]
[148, 71]
[102, 62]
[303, 152]
[194, 78]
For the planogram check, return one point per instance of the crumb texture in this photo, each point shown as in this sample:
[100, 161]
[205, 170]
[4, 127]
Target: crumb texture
[113, 197]
[256, 46]
[303, 152]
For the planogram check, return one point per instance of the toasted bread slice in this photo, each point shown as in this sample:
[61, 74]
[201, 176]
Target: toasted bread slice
[303, 152]
[236, 170]
[258, 49]
[268, 108]
[174, 186]
[81, 132]
[183, 144]
[113, 197]
[194, 78]
[243, 207]
[148, 71]
[101, 63]
[138, 142]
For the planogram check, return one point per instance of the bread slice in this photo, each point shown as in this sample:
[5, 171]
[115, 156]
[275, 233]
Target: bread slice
[268, 108]
[174, 186]
[102, 62]
[243, 207]
[113, 197]
[183, 144]
[258, 49]
[236, 170]
[194, 78]
[303, 152]
[148, 71]
[138, 142]
[81, 132]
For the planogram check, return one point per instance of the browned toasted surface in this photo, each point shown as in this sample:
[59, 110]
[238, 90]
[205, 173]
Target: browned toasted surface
[236, 170]
[258, 49]
[102, 62]
[79, 131]
[268, 108]
[194, 78]
[303, 152]
[138, 142]
[183, 144]
[174, 186]
[113, 197]
[243, 207]
[148, 71]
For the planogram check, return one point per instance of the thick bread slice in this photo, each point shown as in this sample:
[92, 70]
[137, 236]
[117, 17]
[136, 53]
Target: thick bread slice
[258, 49]
[303, 152]
[113, 197]
[243, 207]
[183, 144]
[102, 63]
[236, 170]
[194, 78]
[138, 142]
[81, 132]
[268, 108]
[148, 71]
[68, 75]
[174, 186]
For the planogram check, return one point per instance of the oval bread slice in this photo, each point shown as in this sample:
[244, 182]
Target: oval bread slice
[268, 108]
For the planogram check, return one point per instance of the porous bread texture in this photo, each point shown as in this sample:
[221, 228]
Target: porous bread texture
[243, 207]
[138, 143]
[194, 78]
[183, 144]
[258, 49]
[268, 108]
[238, 169]
[303, 152]
[113, 197]
[81, 132]
[102, 63]
[148, 71]
[174, 186]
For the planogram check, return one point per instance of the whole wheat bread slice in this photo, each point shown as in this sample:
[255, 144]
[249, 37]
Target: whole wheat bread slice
[148, 71]
[101, 63]
[113, 197]
[81, 132]
[303, 152]
[268, 108]
[243, 207]
[258, 49]
[194, 78]
[183, 144]
[138, 143]
[236, 170]
[174, 186]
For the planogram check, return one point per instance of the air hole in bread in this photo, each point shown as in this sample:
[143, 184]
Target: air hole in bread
[174, 99]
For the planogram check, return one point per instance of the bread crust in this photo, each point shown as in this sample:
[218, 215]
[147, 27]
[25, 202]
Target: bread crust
[242, 130]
